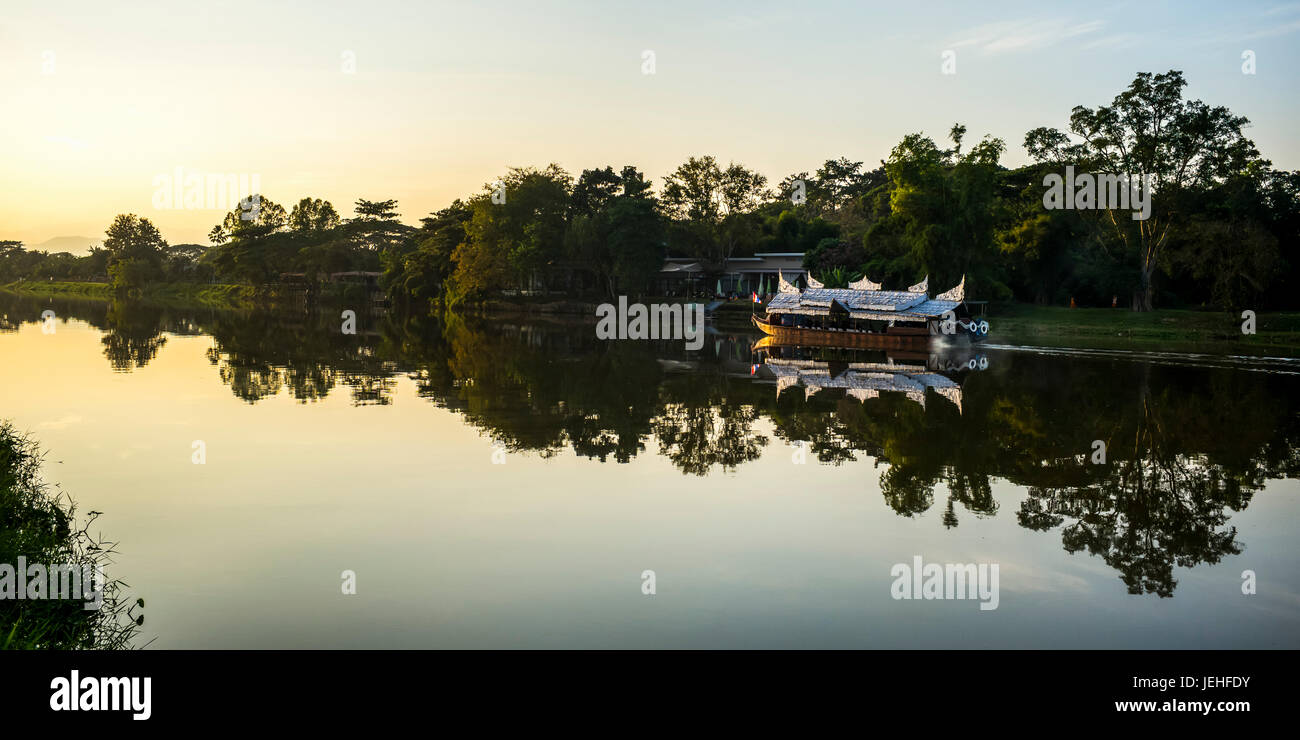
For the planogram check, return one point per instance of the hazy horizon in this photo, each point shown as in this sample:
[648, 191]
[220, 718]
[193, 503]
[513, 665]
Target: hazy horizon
[445, 98]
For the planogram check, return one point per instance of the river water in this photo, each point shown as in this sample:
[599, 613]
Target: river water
[519, 483]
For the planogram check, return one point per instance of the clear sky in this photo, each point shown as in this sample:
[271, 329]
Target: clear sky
[100, 99]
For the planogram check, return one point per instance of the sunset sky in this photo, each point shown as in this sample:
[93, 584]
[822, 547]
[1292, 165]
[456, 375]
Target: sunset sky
[101, 99]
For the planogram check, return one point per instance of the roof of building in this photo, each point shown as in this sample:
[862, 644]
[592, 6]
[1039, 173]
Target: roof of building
[692, 267]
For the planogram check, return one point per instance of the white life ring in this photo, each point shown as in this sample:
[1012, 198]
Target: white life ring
[984, 327]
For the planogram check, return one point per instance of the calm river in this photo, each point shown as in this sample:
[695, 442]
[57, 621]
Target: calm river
[510, 483]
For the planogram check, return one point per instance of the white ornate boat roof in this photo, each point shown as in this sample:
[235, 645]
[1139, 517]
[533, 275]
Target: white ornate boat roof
[880, 305]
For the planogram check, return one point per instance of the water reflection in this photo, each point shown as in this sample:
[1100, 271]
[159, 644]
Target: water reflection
[1185, 446]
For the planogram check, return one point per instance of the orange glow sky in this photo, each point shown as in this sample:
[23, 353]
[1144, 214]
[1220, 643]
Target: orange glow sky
[99, 100]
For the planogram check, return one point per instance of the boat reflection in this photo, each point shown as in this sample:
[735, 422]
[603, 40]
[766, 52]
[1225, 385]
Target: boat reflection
[864, 374]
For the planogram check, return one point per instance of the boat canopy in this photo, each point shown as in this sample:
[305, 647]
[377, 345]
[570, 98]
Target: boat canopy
[862, 303]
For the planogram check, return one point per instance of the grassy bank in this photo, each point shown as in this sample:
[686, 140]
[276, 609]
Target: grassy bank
[172, 294]
[1276, 334]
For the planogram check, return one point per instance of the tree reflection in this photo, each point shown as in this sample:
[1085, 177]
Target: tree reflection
[699, 438]
[249, 378]
[1185, 447]
[1155, 505]
[133, 338]
[309, 381]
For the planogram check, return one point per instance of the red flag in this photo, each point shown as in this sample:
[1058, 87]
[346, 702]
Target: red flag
[755, 297]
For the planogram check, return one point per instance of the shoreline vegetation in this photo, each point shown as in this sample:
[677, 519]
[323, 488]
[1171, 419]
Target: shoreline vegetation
[180, 295]
[1166, 330]
[1210, 226]
[41, 529]
[1171, 330]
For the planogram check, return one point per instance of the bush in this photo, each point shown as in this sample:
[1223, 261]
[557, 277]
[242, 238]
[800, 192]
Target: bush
[130, 276]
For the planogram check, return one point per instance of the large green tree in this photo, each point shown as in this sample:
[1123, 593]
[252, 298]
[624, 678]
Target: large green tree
[515, 234]
[313, 214]
[418, 275]
[377, 226]
[1150, 130]
[255, 216]
[941, 204]
[135, 253]
[713, 207]
[617, 230]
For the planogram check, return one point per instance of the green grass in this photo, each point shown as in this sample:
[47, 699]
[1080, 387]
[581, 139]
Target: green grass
[70, 290]
[1219, 332]
[172, 294]
[235, 296]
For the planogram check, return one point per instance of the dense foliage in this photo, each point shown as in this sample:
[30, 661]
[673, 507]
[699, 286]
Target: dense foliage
[1223, 227]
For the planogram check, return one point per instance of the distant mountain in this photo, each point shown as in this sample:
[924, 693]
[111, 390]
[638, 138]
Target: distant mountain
[77, 245]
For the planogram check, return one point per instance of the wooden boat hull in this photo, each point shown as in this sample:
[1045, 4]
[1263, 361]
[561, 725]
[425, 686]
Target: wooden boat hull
[792, 335]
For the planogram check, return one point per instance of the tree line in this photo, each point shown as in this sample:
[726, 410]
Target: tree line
[1222, 230]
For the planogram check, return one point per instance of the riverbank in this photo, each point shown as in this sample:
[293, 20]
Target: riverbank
[1216, 332]
[1213, 332]
[199, 295]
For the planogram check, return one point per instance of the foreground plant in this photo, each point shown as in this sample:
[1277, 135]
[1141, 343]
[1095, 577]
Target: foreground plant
[39, 529]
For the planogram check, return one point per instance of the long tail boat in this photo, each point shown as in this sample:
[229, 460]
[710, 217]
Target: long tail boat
[864, 315]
